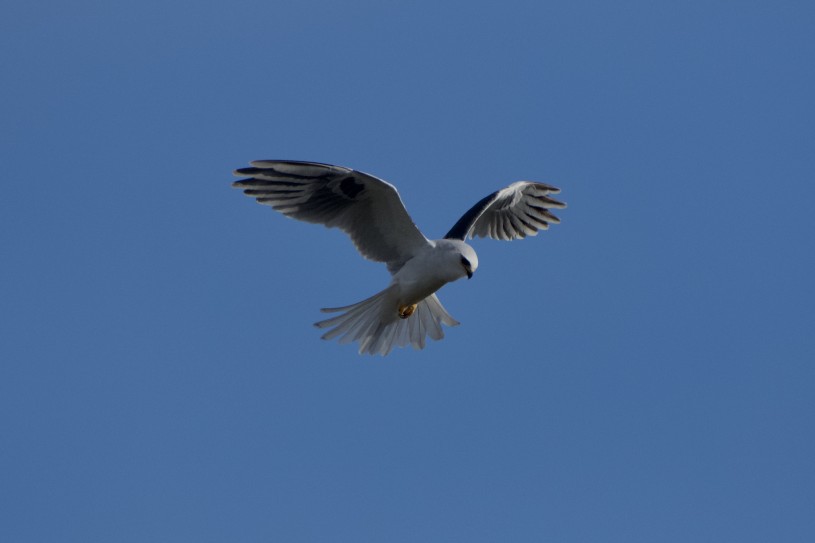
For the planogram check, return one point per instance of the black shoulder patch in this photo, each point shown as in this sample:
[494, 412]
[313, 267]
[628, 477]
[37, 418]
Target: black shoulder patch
[350, 187]
[462, 228]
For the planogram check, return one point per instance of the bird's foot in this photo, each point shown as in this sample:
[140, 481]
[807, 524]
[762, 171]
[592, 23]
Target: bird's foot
[406, 311]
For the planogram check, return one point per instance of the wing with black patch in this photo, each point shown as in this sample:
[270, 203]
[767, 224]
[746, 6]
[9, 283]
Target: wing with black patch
[520, 210]
[368, 209]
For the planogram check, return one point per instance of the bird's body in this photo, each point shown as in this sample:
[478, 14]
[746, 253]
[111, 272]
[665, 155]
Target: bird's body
[371, 212]
[435, 265]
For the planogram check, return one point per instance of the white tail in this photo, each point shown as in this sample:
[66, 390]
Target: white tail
[376, 325]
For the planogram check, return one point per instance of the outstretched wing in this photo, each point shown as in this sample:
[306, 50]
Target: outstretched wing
[368, 209]
[517, 211]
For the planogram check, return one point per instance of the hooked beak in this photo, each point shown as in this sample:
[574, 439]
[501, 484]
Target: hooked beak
[469, 273]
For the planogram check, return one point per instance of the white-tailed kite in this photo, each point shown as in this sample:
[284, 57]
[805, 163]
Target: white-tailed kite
[370, 211]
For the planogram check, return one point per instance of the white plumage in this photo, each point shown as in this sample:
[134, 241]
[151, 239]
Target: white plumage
[370, 211]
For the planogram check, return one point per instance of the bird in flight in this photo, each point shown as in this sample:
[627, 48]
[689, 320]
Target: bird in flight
[371, 212]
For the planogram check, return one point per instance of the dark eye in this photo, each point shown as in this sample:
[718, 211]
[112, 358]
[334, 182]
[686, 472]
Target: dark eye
[465, 263]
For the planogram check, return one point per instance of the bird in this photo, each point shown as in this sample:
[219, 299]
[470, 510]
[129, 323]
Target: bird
[371, 212]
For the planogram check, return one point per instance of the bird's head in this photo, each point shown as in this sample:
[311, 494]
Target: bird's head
[469, 264]
[461, 258]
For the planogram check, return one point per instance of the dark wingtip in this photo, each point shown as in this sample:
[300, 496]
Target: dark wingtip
[246, 171]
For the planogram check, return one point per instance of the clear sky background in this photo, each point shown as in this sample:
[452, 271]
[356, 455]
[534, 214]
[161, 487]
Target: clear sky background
[642, 372]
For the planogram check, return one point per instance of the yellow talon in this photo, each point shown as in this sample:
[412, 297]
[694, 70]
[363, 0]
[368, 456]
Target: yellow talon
[406, 311]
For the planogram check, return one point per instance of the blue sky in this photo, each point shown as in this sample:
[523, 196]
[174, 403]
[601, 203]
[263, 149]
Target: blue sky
[641, 372]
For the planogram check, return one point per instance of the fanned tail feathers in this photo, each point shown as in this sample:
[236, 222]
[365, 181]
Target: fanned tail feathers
[375, 324]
